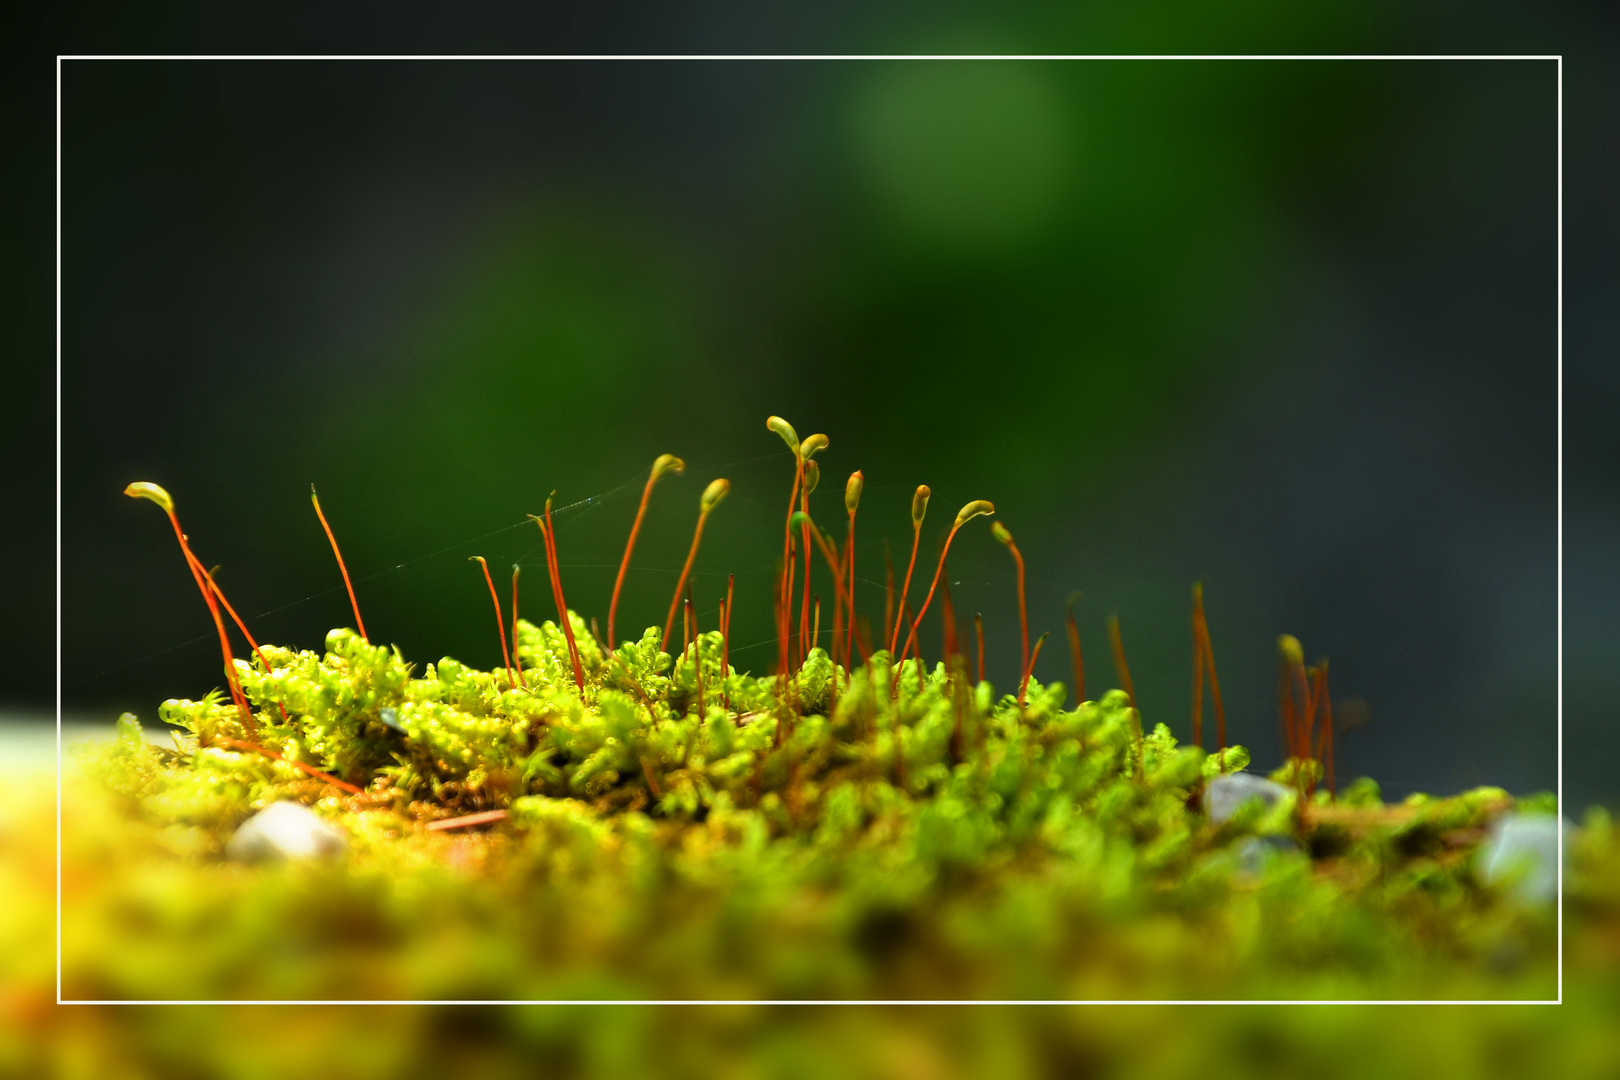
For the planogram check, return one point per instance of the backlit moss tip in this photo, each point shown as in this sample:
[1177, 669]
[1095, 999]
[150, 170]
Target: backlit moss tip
[919, 503]
[142, 489]
[712, 494]
[976, 508]
[852, 490]
[785, 430]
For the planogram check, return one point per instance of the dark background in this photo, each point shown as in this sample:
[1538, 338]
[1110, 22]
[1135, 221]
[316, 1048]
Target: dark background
[1287, 327]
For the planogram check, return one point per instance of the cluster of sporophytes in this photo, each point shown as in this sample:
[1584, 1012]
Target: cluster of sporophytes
[645, 820]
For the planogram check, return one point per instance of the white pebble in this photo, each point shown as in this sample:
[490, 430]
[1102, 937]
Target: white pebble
[1522, 853]
[285, 830]
[1224, 794]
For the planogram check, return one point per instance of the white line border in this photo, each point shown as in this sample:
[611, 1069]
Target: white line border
[1557, 59]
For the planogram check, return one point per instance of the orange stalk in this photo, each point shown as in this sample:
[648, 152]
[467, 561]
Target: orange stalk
[725, 636]
[1198, 669]
[888, 590]
[1029, 669]
[972, 510]
[1124, 673]
[241, 744]
[142, 489]
[1120, 667]
[1327, 730]
[549, 533]
[1214, 680]
[711, 498]
[999, 531]
[978, 632]
[242, 626]
[948, 615]
[784, 430]
[666, 463]
[812, 476]
[500, 626]
[1074, 654]
[919, 508]
[515, 571]
[355, 604]
[852, 502]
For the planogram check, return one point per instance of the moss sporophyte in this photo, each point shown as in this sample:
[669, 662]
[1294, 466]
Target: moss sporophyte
[1008, 842]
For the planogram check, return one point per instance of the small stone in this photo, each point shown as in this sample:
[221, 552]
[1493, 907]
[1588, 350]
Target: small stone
[1224, 794]
[285, 830]
[1521, 852]
[1253, 852]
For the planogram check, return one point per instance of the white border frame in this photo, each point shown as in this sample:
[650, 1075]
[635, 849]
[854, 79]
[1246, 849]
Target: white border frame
[1556, 58]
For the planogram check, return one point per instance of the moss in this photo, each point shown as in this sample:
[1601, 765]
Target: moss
[909, 836]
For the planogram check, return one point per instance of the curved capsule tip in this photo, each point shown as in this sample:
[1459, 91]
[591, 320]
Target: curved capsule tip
[784, 429]
[813, 445]
[999, 531]
[919, 503]
[142, 489]
[716, 491]
[852, 490]
[667, 463]
[976, 508]
[1289, 648]
[812, 474]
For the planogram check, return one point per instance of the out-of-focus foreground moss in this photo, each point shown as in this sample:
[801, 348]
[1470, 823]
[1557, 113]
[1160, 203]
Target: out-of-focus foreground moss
[38, 1038]
[787, 839]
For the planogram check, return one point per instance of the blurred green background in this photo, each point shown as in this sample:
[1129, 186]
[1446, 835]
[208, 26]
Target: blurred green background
[1289, 327]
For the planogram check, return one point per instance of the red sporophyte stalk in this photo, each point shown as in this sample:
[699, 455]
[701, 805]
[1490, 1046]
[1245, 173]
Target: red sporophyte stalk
[999, 531]
[697, 649]
[725, 636]
[515, 571]
[947, 615]
[142, 489]
[888, 590]
[1292, 682]
[1074, 653]
[1120, 667]
[1201, 629]
[242, 626]
[1293, 679]
[784, 430]
[550, 535]
[1285, 702]
[242, 744]
[666, 463]
[815, 623]
[852, 503]
[712, 495]
[812, 477]
[506, 654]
[1198, 671]
[355, 604]
[919, 508]
[1124, 672]
[978, 633]
[1325, 753]
[829, 554]
[1029, 669]
[977, 508]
